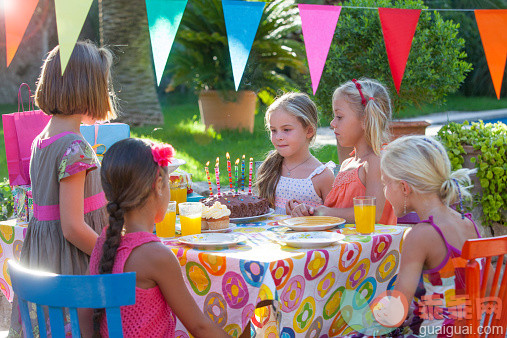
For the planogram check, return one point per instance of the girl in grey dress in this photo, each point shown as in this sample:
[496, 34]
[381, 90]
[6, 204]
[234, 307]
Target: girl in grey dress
[69, 204]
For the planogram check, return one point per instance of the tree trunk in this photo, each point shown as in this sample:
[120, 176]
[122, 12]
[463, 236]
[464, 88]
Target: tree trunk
[40, 37]
[125, 31]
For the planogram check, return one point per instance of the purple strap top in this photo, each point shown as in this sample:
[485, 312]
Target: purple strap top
[450, 249]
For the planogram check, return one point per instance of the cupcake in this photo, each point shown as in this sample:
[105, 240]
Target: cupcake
[204, 222]
[216, 216]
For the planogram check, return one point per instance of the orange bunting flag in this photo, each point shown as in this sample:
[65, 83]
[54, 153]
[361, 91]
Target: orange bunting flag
[492, 25]
[398, 28]
[17, 17]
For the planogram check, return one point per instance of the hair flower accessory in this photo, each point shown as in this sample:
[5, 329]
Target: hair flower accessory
[163, 154]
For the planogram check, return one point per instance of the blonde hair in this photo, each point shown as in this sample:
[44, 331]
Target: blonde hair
[376, 112]
[422, 162]
[305, 111]
[84, 88]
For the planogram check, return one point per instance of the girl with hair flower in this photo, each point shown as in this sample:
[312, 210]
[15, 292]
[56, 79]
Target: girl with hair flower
[135, 179]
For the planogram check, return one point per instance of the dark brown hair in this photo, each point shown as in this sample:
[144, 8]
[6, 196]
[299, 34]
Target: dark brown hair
[85, 86]
[128, 172]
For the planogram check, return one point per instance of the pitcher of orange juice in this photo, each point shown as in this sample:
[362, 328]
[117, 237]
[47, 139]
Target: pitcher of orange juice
[364, 214]
[178, 186]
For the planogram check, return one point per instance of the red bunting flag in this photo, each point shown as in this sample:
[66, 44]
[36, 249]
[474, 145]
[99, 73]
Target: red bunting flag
[17, 17]
[492, 25]
[398, 27]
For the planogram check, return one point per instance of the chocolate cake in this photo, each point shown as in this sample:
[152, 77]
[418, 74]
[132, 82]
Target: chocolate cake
[241, 204]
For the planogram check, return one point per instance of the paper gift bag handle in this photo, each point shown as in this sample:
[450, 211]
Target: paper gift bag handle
[31, 104]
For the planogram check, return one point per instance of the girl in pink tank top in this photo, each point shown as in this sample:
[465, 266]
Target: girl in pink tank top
[135, 178]
[362, 110]
[417, 175]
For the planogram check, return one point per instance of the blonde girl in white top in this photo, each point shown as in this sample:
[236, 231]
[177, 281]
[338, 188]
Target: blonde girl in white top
[290, 172]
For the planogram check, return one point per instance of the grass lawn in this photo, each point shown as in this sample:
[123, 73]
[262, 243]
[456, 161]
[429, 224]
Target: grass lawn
[197, 146]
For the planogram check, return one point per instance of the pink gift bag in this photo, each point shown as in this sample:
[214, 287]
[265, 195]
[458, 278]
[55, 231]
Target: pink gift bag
[20, 129]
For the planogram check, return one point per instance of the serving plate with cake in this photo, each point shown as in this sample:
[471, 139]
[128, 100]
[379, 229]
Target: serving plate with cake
[243, 206]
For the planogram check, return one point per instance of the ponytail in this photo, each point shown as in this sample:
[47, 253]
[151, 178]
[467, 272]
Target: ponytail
[371, 101]
[455, 188]
[269, 175]
[422, 162]
[376, 126]
[109, 249]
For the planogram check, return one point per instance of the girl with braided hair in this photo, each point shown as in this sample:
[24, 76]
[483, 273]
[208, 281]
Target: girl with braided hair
[135, 179]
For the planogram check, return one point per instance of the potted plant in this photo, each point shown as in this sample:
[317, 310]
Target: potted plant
[201, 60]
[436, 65]
[484, 147]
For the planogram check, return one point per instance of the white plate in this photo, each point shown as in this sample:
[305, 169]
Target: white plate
[176, 162]
[251, 218]
[231, 226]
[311, 223]
[311, 239]
[212, 239]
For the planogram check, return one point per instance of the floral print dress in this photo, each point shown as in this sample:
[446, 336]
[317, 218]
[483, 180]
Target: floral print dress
[45, 247]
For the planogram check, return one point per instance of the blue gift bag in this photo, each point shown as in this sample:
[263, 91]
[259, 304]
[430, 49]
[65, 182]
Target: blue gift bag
[103, 136]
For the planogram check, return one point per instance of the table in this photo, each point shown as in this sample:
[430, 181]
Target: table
[12, 234]
[228, 283]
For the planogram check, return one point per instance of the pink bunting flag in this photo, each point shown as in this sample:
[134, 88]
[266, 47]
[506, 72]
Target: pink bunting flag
[17, 17]
[493, 29]
[398, 27]
[318, 23]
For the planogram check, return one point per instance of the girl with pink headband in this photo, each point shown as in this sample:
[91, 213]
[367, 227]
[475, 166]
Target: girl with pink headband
[362, 111]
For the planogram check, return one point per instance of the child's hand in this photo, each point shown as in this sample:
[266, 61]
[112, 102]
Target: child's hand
[291, 204]
[302, 210]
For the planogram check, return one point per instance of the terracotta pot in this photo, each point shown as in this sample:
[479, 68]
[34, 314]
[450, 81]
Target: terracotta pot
[402, 128]
[221, 114]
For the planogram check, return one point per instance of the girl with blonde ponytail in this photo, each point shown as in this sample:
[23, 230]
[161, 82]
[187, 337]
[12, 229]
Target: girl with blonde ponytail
[417, 176]
[291, 174]
[362, 111]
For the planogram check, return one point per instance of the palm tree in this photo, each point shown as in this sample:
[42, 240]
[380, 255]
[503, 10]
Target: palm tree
[124, 29]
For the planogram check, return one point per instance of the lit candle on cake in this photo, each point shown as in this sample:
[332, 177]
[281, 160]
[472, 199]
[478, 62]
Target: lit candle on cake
[243, 173]
[250, 177]
[209, 179]
[236, 171]
[217, 174]
[229, 170]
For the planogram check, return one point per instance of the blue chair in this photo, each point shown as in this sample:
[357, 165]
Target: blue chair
[109, 291]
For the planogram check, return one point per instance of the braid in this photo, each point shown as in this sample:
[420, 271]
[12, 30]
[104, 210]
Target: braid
[113, 238]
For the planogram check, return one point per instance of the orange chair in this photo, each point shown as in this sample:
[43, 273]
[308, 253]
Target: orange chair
[494, 323]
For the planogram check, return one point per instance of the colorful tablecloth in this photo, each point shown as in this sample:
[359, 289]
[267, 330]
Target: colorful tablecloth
[307, 284]
[12, 234]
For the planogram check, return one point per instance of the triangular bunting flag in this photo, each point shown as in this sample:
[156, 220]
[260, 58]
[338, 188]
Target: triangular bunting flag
[241, 22]
[17, 17]
[493, 29]
[70, 17]
[398, 27]
[318, 23]
[164, 17]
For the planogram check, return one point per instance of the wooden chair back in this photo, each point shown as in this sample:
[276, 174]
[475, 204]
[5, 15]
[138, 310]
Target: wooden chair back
[487, 293]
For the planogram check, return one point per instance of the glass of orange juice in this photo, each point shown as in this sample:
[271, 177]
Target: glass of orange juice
[166, 228]
[178, 186]
[190, 218]
[364, 213]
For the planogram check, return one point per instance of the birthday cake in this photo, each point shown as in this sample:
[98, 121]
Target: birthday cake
[240, 204]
